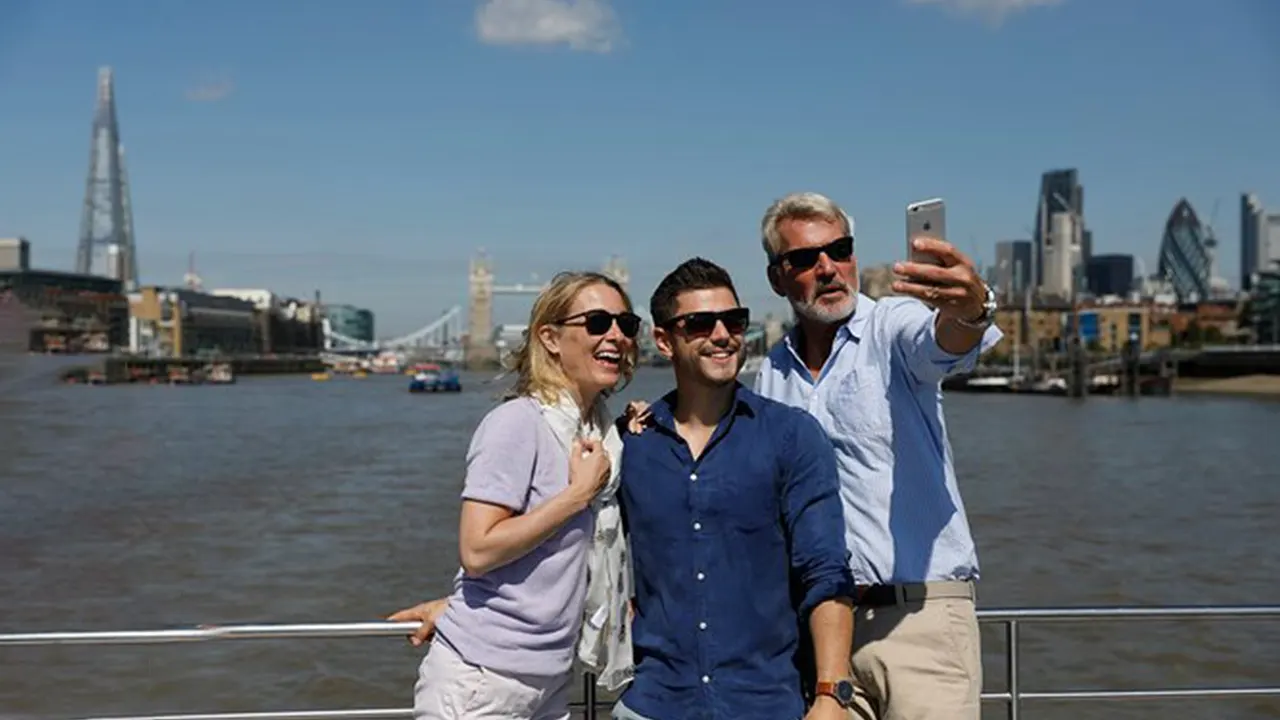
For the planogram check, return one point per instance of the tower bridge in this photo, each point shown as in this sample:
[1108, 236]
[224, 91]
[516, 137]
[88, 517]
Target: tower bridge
[476, 345]
[445, 338]
[481, 348]
[441, 338]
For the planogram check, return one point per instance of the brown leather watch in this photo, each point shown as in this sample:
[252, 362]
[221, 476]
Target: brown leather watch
[841, 690]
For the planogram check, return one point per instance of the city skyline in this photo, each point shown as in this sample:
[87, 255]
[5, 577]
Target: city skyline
[233, 169]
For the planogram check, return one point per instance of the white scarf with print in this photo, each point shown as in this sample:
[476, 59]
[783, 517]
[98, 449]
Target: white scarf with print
[604, 645]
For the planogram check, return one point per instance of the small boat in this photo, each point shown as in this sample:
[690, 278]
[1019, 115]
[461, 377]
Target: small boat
[221, 374]
[429, 377]
[989, 384]
[320, 376]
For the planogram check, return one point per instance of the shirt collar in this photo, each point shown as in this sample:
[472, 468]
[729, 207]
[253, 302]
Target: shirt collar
[744, 402]
[861, 314]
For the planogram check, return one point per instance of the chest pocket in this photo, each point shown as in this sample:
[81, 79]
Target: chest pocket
[743, 494]
[860, 403]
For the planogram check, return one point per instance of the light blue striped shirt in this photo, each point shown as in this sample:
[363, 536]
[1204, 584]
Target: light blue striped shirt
[879, 398]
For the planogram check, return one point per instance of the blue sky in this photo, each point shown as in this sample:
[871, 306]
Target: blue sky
[368, 149]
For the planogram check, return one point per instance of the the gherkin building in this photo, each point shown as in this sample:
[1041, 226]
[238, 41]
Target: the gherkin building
[1184, 259]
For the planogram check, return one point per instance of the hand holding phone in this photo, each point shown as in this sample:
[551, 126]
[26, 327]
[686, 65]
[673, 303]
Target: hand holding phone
[941, 277]
[926, 219]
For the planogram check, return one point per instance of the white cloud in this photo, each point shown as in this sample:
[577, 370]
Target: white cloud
[212, 91]
[994, 11]
[580, 24]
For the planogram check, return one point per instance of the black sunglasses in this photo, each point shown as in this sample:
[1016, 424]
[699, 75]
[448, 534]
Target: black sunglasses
[699, 324]
[838, 250]
[598, 322]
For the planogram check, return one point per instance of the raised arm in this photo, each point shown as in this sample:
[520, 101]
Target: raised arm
[500, 464]
[933, 345]
[938, 342]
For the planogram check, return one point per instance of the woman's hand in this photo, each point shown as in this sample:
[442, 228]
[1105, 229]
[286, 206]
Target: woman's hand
[427, 613]
[589, 468]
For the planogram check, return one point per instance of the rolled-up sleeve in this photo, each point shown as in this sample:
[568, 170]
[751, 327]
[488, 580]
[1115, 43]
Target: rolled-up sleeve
[914, 329]
[813, 514]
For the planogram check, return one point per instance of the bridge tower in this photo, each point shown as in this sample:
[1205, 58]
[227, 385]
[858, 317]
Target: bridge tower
[616, 268]
[107, 244]
[479, 347]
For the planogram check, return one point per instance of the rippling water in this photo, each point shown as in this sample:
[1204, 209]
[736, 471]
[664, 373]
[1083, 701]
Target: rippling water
[288, 500]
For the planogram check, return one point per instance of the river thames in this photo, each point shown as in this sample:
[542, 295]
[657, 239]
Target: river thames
[288, 500]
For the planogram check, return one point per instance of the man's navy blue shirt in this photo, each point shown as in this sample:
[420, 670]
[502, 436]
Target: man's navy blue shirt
[717, 545]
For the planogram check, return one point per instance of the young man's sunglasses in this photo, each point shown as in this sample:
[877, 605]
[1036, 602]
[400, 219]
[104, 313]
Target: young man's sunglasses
[698, 324]
[838, 250]
[598, 322]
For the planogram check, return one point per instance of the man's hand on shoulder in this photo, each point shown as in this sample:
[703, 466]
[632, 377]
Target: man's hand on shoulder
[636, 416]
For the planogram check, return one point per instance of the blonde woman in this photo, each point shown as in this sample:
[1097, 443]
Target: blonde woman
[543, 575]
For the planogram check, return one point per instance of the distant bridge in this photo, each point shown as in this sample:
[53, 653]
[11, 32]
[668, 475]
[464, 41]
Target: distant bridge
[482, 288]
[442, 334]
[448, 337]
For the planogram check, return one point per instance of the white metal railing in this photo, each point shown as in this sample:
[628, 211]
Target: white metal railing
[1012, 697]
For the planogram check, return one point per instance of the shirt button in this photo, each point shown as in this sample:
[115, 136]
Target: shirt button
[702, 626]
[697, 526]
[706, 679]
[693, 477]
[701, 576]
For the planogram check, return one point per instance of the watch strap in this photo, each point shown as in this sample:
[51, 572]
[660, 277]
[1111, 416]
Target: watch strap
[833, 689]
[988, 316]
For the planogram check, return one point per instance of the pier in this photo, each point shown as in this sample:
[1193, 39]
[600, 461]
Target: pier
[1131, 373]
[117, 369]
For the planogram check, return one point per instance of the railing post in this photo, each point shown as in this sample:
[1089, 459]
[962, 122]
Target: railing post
[589, 695]
[1011, 670]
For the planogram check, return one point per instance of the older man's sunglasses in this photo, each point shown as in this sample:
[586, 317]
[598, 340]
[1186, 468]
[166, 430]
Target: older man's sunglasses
[701, 324]
[838, 250]
[598, 322]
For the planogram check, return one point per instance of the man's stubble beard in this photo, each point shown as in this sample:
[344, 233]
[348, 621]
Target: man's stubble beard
[693, 374]
[828, 315]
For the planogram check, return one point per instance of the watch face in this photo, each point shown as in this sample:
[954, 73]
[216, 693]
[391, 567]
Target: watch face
[844, 692]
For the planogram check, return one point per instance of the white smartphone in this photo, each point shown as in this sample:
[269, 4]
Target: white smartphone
[926, 218]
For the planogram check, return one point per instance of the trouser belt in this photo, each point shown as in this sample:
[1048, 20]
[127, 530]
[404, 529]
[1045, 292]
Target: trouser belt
[881, 595]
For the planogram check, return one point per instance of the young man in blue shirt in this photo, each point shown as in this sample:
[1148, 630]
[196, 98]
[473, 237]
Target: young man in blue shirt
[729, 498]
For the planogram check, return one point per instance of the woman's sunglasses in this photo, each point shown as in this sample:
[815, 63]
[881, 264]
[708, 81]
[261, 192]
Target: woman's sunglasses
[598, 322]
[838, 250]
[700, 324]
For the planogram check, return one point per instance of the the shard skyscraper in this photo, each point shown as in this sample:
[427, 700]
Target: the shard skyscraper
[107, 245]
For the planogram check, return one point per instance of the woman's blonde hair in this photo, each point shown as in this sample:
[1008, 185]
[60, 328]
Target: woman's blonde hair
[538, 373]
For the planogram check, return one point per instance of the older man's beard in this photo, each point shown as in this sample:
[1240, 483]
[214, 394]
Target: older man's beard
[827, 314]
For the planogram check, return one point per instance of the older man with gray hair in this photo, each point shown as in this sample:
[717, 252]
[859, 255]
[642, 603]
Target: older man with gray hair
[870, 371]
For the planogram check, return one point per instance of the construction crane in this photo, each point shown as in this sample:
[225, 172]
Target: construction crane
[1211, 249]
